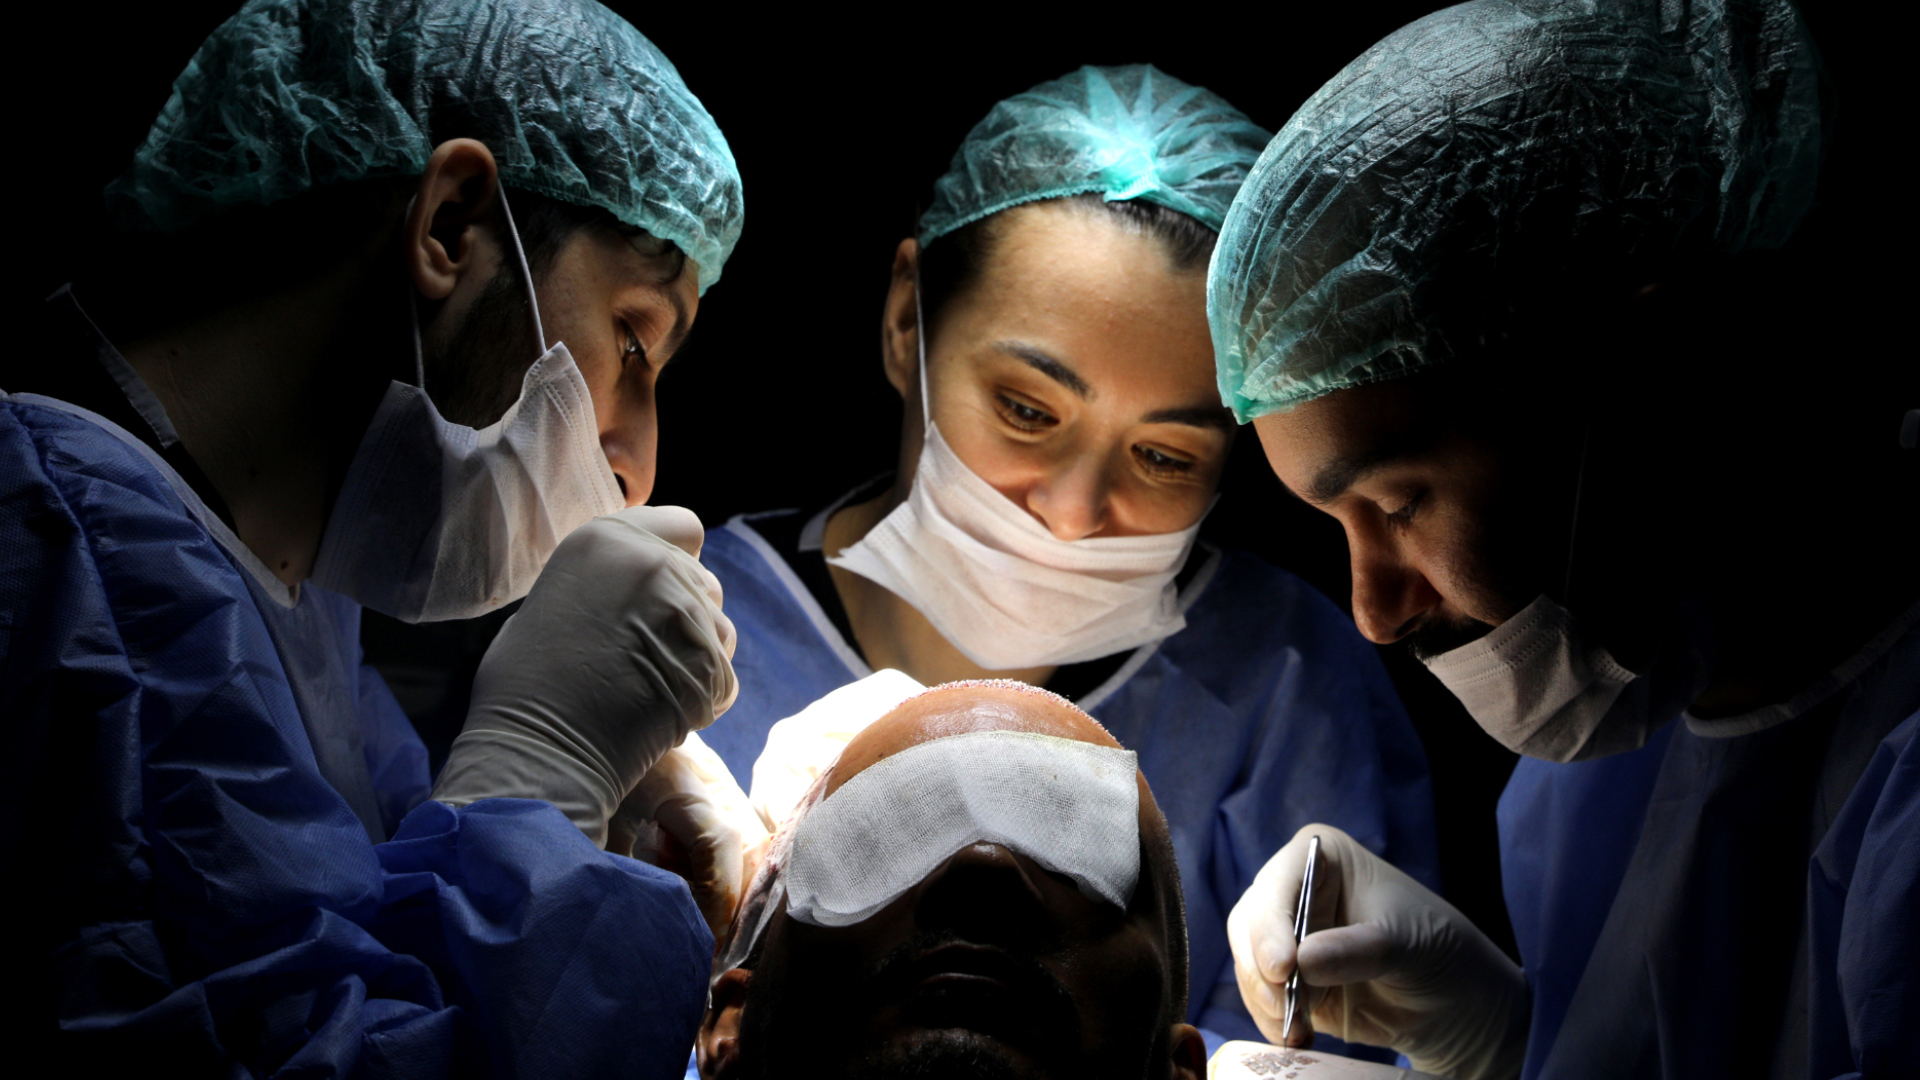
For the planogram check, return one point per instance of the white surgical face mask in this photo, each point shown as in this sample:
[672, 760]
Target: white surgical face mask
[439, 521]
[1539, 687]
[998, 585]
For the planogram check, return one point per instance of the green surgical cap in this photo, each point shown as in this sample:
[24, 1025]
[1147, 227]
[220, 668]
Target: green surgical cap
[1494, 151]
[292, 95]
[1130, 132]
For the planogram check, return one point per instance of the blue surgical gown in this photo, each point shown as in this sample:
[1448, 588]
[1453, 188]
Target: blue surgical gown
[216, 818]
[1721, 904]
[1268, 712]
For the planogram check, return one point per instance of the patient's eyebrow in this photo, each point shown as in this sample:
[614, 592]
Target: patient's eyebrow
[1215, 417]
[1039, 361]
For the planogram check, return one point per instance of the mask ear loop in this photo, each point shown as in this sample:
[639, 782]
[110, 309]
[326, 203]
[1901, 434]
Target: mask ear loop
[920, 342]
[526, 274]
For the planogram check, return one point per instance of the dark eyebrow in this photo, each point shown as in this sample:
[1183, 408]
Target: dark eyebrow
[1214, 417]
[1334, 478]
[1048, 366]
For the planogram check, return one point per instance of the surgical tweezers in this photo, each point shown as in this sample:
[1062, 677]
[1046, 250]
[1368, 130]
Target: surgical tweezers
[1299, 932]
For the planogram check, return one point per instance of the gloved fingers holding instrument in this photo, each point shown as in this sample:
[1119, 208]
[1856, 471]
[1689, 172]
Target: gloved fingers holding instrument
[689, 816]
[1384, 962]
[618, 652]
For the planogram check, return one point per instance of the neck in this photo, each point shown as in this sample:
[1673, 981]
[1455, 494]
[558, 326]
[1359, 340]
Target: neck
[270, 398]
[891, 633]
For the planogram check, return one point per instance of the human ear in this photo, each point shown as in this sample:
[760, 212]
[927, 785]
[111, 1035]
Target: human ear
[719, 1042]
[900, 321]
[1189, 1053]
[457, 191]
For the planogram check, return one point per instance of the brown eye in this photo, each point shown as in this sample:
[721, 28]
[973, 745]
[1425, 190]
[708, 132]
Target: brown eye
[632, 348]
[1164, 464]
[1022, 415]
[1404, 515]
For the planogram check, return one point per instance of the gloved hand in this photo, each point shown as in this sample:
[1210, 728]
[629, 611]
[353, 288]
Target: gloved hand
[618, 652]
[1391, 965]
[688, 815]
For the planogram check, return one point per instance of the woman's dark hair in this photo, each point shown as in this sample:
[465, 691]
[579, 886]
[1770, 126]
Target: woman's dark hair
[951, 264]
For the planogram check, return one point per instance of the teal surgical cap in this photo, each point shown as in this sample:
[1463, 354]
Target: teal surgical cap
[1494, 150]
[292, 95]
[1130, 132]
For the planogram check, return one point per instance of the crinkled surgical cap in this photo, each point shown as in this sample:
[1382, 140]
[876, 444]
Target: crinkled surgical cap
[292, 95]
[1130, 132]
[1498, 147]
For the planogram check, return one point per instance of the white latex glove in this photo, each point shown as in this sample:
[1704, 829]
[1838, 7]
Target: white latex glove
[688, 815]
[801, 747]
[1390, 965]
[618, 652]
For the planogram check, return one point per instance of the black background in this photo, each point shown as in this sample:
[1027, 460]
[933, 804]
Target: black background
[840, 120]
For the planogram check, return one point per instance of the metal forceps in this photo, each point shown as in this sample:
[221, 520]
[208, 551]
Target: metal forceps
[1299, 932]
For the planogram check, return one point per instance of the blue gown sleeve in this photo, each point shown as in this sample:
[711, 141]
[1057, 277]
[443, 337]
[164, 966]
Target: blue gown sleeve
[1863, 900]
[396, 758]
[202, 897]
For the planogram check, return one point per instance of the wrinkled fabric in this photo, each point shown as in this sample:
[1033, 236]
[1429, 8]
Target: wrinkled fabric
[1491, 156]
[1268, 712]
[1865, 944]
[206, 885]
[1727, 907]
[1129, 132]
[292, 95]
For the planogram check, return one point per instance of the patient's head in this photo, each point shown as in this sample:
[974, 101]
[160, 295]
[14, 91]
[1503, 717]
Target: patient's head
[990, 966]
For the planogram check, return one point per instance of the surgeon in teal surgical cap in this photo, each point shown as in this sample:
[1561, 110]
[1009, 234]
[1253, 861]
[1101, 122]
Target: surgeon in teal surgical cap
[1060, 445]
[1529, 299]
[390, 287]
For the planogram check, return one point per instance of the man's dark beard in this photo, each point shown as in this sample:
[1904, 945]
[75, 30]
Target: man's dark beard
[939, 1057]
[477, 374]
[1440, 635]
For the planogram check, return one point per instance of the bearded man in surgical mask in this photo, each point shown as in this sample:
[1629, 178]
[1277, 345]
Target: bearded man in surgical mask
[1060, 446]
[393, 282]
[1524, 299]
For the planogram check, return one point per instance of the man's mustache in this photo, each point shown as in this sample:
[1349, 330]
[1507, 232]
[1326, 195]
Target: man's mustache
[1435, 636]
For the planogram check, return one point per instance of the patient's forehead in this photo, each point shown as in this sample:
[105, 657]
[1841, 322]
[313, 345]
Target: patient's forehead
[962, 708]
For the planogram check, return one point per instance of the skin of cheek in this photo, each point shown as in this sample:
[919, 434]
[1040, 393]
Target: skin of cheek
[594, 281]
[1436, 564]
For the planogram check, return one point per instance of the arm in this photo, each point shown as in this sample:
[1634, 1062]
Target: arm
[204, 895]
[1330, 743]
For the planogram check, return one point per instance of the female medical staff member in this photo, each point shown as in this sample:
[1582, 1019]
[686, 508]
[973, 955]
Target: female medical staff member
[1042, 522]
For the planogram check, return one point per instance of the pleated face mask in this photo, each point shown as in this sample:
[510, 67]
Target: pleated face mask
[440, 521]
[1002, 588]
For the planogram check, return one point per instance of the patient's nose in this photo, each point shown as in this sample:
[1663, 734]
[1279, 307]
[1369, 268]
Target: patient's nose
[984, 893]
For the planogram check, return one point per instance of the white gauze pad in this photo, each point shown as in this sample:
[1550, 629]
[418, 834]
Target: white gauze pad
[1070, 806]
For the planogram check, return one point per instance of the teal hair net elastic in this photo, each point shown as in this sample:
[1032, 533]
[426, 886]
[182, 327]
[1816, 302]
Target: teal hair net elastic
[1498, 150]
[292, 95]
[1130, 132]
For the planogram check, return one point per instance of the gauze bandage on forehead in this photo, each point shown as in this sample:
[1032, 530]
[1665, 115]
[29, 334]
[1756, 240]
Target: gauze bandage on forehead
[1070, 806]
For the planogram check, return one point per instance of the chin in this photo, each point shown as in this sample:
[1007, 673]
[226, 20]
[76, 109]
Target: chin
[946, 1054]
